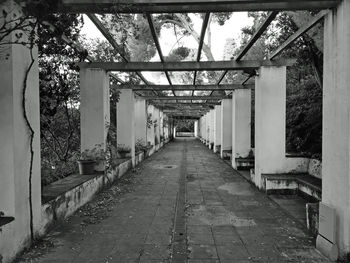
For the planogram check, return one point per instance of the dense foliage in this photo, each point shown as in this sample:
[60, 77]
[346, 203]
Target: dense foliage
[304, 79]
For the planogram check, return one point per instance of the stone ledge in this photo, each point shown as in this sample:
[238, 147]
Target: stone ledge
[303, 184]
[62, 198]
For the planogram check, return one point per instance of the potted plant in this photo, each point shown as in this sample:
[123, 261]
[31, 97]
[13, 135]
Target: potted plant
[140, 146]
[123, 151]
[92, 160]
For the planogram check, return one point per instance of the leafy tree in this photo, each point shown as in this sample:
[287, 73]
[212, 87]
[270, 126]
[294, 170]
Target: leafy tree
[304, 79]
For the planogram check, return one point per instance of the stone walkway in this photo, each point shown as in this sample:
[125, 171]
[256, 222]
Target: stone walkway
[215, 215]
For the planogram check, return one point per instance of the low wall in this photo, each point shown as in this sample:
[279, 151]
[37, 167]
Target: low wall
[62, 198]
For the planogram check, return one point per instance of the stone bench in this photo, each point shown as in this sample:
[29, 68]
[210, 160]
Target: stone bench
[305, 185]
[245, 163]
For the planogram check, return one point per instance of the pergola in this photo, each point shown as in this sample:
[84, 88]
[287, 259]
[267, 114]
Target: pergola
[148, 8]
[233, 100]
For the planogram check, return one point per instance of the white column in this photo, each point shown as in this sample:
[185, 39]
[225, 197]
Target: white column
[207, 121]
[161, 124]
[241, 121]
[150, 128]
[196, 128]
[166, 128]
[126, 121]
[94, 108]
[336, 122]
[212, 128]
[205, 128]
[15, 143]
[226, 126]
[217, 128]
[157, 125]
[270, 121]
[141, 120]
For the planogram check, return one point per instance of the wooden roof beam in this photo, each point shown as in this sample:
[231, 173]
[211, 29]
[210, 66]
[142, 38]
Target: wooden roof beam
[263, 26]
[186, 65]
[180, 103]
[189, 6]
[184, 87]
[201, 42]
[317, 18]
[104, 31]
[156, 42]
[185, 97]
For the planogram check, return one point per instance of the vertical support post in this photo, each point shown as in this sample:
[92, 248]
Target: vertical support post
[217, 128]
[207, 121]
[161, 125]
[94, 108]
[204, 130]
[141, 120]
[15, 139]
[226, 127]
[241, 121]
[196, 129]
[212, 129]
[150, 128]
[126, 121]
[336, 128]
[157, 125]
[270, 122]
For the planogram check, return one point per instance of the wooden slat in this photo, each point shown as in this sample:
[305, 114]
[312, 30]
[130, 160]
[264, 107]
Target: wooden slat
[180, 103]
[263, 26]
[186, 65]
[184, 87]
[271, 16]
[104, 31]
[201, 42]
[185, 97]
[156, 42]
[298, 33]
[184, 6]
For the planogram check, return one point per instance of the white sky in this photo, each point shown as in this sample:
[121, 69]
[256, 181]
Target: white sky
[231, 29]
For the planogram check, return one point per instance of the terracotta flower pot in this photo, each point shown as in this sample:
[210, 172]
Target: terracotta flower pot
[86, 167]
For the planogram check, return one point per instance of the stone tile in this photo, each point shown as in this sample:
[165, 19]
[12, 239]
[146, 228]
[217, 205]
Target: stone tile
[200, 239]
[155, 252]
[227, 219]
[232, 252]
[202, 252]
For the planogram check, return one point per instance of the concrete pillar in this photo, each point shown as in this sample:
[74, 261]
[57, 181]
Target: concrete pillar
[241, 121]
[204, 129]
[270, 121]
[15, 143]
[207, 122]
[217, 128]
[161, 124]
[141, 120]
[336, 123]
[212, 128]
[94, 108]
[166, 126]
[126, 121]
[150, 128]
[226, 126]
[157, 125]
[196, 129]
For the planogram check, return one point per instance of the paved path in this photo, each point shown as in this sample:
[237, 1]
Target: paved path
[215, 214]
